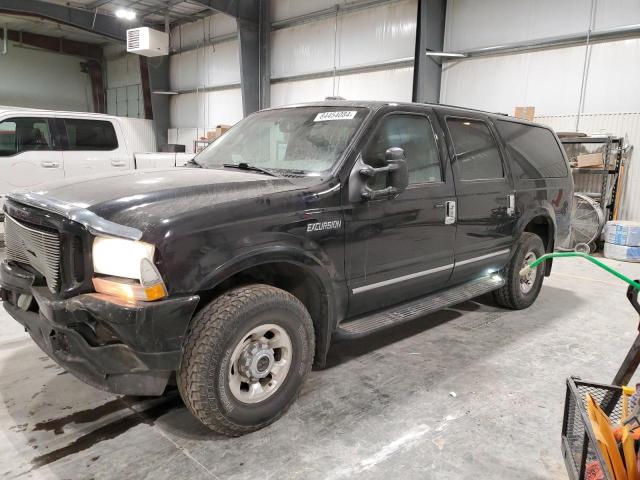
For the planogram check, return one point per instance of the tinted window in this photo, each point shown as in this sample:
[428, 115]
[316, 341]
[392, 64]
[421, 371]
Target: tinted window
[90, 134]
[24, 134]
[534, 151]
[415, 136]
[477, 154]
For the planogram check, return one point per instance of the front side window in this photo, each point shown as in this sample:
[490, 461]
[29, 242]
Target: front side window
[19, 135]
[477, 154]
[412, 133]
[301, 139]
[90, 135]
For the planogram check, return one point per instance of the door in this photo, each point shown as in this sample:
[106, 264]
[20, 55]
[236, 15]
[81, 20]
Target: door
[92, 147]
[485, 201]
[401, 248]
[29, 155]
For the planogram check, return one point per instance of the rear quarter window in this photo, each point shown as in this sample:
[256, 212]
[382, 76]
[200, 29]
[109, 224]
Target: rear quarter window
[534, 151]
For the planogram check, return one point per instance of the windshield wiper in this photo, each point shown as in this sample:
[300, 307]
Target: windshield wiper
[246, 166]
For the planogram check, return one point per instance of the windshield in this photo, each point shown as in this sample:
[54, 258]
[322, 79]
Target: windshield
[301, 139]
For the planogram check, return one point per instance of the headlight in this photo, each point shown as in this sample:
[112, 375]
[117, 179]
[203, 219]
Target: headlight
[129, 268]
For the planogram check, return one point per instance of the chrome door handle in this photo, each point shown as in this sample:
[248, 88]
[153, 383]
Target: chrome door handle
[511, 209]
[49, 164]
[118, 163]
[450, 212]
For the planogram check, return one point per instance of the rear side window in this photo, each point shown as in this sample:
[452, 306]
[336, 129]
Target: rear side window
[90, 134]
[19, 135]
[534, 151]
[477, 154]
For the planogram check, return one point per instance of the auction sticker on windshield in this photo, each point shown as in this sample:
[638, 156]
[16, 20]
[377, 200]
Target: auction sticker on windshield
[342, 115]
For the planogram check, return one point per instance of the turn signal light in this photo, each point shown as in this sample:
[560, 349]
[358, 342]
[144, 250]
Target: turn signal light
[129, 289]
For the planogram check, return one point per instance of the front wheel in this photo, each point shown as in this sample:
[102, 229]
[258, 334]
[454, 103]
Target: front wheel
[245, 358]
[521, 290]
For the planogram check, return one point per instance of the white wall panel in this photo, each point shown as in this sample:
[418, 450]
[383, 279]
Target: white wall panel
[205, 67]
[377, 34]
[394, 85]
[624, 124]
[39, 79]
[373, 35]
[195, 33]
[302, 49]
[193, 114]
[613, 81]
[471, 24]
[285, 9]
[549, 80]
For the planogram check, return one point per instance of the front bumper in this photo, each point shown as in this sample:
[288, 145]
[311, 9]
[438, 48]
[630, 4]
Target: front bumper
[114, 345]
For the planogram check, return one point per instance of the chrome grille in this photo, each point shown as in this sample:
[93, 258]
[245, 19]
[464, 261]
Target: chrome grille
[38, 248]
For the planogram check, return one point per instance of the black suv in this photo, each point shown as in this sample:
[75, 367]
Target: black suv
[299, 225]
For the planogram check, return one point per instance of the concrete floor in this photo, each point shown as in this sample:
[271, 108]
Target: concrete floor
[384, 406]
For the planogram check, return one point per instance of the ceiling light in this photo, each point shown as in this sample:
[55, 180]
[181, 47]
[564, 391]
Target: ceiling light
[445, 54]
[125, 14]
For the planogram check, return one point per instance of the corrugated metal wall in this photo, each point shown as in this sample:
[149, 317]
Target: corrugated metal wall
[373, 36]
[621, 124]
[123, 85]
[550, 80]
[382, 33]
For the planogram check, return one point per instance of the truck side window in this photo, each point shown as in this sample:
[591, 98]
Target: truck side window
[90, 134]
[534, 150]
[477, 153]
[412, 133]
[24, 134]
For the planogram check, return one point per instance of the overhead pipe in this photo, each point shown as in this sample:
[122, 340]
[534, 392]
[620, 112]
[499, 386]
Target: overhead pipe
[604, 35]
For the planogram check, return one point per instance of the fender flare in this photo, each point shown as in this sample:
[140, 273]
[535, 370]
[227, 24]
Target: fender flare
[547, 212]
[323, 272]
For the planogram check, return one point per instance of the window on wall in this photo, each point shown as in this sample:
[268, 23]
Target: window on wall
[24, 134]
[412, 133]
[90, 134]
[534, 150]
[477, 154]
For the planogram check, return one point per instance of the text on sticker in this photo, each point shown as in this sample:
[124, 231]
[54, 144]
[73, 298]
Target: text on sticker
[342, 115]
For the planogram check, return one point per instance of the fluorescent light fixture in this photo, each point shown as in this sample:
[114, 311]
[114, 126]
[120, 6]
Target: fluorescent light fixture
[445, 54]
[125, 14]
[164, 92]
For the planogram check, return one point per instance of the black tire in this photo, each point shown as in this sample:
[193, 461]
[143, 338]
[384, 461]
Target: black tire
[216, 330]
[511, 295]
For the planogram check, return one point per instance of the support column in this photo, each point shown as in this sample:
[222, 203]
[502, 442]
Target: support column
[429, 37]
[158, 73]
[255, 67]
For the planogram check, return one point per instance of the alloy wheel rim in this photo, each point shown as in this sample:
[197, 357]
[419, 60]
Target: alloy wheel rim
[260, 363]
[528, 279]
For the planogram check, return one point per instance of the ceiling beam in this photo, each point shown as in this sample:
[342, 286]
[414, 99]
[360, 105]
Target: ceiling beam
[93, 22]
[56, 44]
[247, 10]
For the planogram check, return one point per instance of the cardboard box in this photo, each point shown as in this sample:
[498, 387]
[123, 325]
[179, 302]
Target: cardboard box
[219, 130]
[525, 113]
[590, 160]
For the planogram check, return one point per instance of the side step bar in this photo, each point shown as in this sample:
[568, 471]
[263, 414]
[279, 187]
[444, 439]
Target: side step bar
[361, 326]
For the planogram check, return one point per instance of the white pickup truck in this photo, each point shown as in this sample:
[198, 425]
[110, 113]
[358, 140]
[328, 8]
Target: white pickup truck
[38, 146]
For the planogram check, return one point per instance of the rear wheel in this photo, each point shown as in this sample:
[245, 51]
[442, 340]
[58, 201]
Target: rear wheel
[245, 358]
[521, 290]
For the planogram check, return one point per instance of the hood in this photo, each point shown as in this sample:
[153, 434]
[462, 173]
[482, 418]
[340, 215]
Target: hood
[143, 198]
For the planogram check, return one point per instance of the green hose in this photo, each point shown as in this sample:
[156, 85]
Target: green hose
[547, 256]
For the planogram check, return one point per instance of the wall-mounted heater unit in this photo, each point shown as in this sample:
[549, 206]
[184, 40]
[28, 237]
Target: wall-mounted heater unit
[147, 42]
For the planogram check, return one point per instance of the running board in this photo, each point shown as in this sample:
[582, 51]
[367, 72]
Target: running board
[405, 312]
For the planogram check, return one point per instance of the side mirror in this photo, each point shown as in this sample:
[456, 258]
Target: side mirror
[398, 177]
